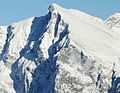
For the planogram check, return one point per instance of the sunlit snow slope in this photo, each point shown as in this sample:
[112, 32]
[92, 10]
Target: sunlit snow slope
[65, 51]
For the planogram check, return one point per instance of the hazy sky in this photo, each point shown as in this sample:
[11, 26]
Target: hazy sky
[15, 10]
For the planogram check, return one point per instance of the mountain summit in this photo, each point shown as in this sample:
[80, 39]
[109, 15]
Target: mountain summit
[64, 51]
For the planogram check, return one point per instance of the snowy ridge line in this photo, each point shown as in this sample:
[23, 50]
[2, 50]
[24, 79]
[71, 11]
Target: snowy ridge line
[64, 51]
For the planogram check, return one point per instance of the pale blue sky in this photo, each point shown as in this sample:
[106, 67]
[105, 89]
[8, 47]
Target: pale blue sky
[16, 10]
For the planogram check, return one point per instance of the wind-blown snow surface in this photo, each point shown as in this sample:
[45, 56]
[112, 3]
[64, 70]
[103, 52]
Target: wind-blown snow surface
[65, 51]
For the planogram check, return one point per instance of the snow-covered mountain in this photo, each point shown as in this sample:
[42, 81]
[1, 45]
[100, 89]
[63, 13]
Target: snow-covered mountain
[65, 51]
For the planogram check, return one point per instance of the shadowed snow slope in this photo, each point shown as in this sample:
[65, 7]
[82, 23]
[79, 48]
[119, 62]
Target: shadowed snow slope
[65, 51]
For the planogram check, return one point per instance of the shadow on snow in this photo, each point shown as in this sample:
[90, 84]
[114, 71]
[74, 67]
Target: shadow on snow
[43, 77]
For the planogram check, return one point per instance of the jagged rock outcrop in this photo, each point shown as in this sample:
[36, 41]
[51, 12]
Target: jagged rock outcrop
[113, 21]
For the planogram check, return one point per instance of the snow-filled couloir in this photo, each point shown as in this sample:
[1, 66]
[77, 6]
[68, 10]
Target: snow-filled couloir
[65, 51]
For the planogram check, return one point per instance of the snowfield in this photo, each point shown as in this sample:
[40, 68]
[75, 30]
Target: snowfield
[65, 51]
